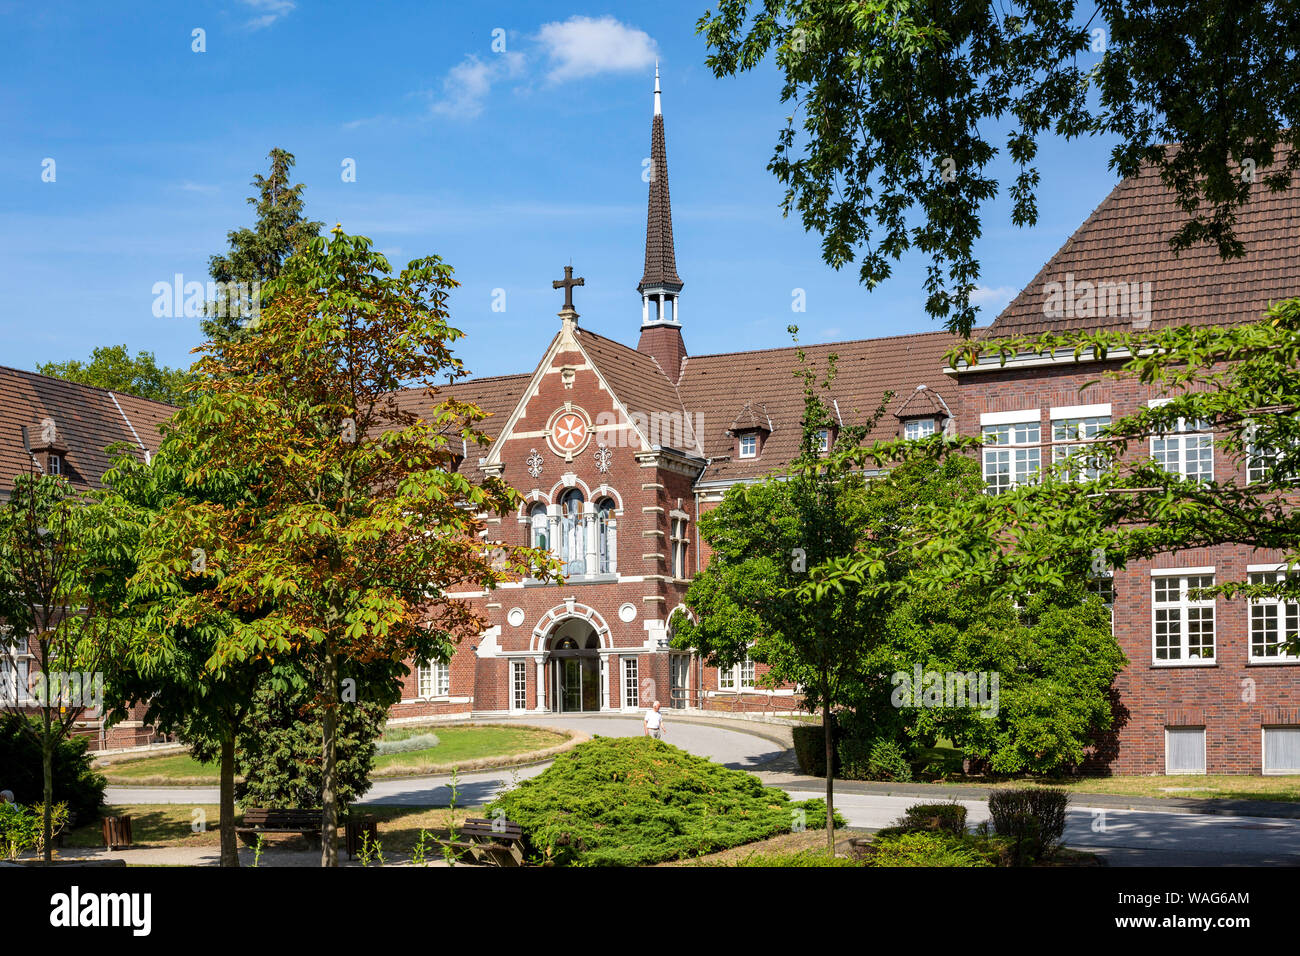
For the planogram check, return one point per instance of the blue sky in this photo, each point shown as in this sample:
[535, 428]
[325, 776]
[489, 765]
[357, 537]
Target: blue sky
[508, 164]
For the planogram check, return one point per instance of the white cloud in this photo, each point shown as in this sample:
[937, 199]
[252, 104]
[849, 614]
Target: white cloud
[271, 10]
[994, 300]
[586, 46]
[468, 83]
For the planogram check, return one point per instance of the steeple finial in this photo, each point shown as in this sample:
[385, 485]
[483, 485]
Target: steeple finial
[660, 283]
[658, 106]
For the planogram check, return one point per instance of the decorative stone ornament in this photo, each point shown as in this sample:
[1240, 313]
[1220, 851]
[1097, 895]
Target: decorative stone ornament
[568, 432]
[516, 616]
[627, 613]
[535, 463]
[604, 458]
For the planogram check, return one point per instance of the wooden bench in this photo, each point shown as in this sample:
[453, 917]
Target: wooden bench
[497, 843]
[258, 821]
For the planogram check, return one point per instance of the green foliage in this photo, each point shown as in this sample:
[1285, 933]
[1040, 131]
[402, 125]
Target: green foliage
[945, 817]
[864, 758]
[22, 828]
[259, 254]
[887, 146]
[76, 784]
[802, 859]
[631, 801]
[924, 848]
[279, 750]
[810, 749]
[421, 741]
[113, 368]
[1032, 819]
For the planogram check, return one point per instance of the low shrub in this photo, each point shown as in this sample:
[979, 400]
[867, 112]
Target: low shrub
[1032, 819]
[810, 749]
[924, 849]
[23, 828]
[926, 817]
[887, 761]
[75, 782]
[631, 801]
[803, 858]
[407, 744]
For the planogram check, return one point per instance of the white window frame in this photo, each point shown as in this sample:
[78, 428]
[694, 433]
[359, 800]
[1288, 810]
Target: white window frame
[1020, 457]
[631, 684]
[918, 428]
[1182, 447]
[678, 539]
[737, 675]
[437, 676]
[1204, 763]
[752, 441]
[518, 686]
[1186, 609]
[1285, 614]
[1071, 435]
[1263, 749]
[56, 465]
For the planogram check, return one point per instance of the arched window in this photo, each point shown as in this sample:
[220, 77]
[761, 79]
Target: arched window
[573, 549]
[540, 527]
[606, 548]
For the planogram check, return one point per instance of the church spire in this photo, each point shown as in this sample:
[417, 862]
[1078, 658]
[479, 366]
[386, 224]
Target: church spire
[660, 284]
[661, 330]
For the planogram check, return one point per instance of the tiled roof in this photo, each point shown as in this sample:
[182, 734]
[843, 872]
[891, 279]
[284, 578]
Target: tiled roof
[660, 258]
[497, 395]
[712, 387]
[86, 421]
[1126, 240]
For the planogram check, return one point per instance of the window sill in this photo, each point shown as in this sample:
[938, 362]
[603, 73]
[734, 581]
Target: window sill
[1176, 664]
[1272, 662]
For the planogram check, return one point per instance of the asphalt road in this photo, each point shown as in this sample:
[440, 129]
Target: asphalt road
[1122, 837]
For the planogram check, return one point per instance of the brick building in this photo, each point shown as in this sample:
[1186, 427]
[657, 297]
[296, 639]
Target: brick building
[49, 426]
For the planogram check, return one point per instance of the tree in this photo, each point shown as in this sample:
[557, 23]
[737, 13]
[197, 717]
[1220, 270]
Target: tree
[889, 142]
[258, 255]
[358, 526]
[113, 368]
[763, 537]
[52, 597]
[166, 584]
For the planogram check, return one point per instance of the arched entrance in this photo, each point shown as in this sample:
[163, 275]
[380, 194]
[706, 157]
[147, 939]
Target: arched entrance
[574, 667]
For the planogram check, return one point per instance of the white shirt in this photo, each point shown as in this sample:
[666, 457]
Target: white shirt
[653, 719]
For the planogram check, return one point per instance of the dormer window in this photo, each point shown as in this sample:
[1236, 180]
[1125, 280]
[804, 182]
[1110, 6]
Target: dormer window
[918, 428]
[825, 438]
[748, 445]
[54, 465]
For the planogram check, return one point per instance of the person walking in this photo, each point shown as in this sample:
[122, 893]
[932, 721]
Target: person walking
[654, 722]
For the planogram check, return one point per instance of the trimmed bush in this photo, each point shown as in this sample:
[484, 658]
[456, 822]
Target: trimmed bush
[929, 817]
[810, 749]
[630, 801]
[75, 782]
[1032, 819]
[923, 849]
[407, 744]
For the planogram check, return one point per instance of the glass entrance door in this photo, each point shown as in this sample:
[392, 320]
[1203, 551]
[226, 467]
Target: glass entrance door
[571, 684]
[679, 673]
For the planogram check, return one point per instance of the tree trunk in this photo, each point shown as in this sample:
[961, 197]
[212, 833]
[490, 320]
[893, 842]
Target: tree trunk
[329, 848]
[828, 736]
[47, 765]
[229, 845]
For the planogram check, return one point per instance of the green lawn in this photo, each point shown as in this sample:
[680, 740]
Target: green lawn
[456, 745]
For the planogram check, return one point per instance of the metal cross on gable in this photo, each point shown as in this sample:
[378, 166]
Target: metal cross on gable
[567, 284]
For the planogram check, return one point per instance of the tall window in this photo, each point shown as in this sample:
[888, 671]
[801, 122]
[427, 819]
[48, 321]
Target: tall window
[1273, 622]
[1183, 628]
[631, 683]
[1011, 455]
[433, 679]
[606, 547]
[1261, 458]
[519, 685]
[541, 531]
[823, 440]
[1071, 437]
[573, 544]
[749, 446]
[678, 542]
[918, 428]
[1187, 450]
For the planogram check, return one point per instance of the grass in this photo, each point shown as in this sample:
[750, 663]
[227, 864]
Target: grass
[458, 745]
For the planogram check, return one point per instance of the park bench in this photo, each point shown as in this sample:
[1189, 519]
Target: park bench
[258, 821]
[497, 843]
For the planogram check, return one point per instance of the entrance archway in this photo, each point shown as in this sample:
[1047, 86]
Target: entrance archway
[575, 669]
